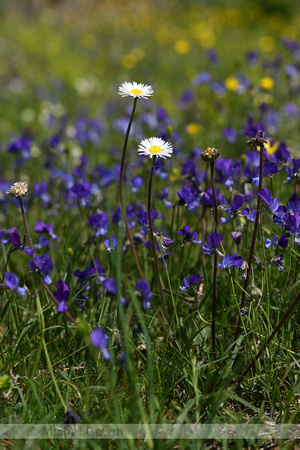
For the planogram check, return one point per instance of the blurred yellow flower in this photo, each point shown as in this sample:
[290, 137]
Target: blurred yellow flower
[232, 83]
[182, 47]
[193, 127]
[267, 43]
[271, 147]
[129, 61]
[267, 83]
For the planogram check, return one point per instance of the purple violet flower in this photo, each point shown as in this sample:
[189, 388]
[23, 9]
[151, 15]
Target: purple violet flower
[62, 295]
[230, 260]
[99, 223]
[43, 266]
[41, 227]
[100, 340]
[188, 235]
[214, 240]
[110, 285]
[16, 241]
[143, 287]
[12, 282]
[110, 243]
[273, 203]
[136, 184]
[189, 282]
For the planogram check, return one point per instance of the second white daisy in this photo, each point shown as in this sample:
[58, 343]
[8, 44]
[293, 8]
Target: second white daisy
[135, 90]
[155, 146]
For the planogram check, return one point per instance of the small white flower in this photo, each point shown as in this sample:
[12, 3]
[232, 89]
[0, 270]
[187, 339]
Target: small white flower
[18, 190]
[135, 90]
[155, 146]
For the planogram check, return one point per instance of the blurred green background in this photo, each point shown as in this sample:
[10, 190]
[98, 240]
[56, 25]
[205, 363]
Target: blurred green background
[70, 57]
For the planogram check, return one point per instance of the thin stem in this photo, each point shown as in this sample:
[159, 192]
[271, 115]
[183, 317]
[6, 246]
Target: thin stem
[153, 242]
[25, 224]
[214, 305]
[121, 189]
[285, 316]
[251, 254]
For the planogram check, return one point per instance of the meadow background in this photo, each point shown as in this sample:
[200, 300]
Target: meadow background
[221, 70]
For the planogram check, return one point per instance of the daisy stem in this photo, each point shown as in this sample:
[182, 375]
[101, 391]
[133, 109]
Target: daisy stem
[31, 246]
[285, 316]
[153, 242]
[251, 254]
[121, 188]
[214, 305]
[25, 224]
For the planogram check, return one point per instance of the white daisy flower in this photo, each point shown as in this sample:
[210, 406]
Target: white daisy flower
[155, 146]
[18, 190]
[135, 90]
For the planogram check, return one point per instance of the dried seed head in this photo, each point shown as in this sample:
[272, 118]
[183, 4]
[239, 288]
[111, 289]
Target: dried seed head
[210, 154]
[18, 190]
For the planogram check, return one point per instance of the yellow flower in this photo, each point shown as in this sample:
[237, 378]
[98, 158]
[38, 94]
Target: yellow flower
[267, 83]
[232, 84]
[270, 147]
[193, 128]
[182, 47]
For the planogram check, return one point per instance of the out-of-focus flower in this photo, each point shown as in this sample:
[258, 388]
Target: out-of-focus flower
[41, 227]
[110, 243]
[100, 340]
[188, 235]
[273, 203]
[143, 287]
[232, 83]
[155, 146]
[135, 90]
[163, 241]
[230, 260]
[136, 184]
[18, 189]
[267, 83]
[190, 281]
[214, 240]
[43, 265]
[62, 295]
[230, 134]
[99, 222]
[109, 285]
[12, 282]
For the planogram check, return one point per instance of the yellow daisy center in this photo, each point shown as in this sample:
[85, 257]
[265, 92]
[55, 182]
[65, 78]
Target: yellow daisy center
[155, 149]
[136, 91]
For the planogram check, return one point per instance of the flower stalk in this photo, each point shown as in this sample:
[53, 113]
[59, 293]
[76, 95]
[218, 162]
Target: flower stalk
[258, 141]
[153, 241]
[211, 155]
[121, 188]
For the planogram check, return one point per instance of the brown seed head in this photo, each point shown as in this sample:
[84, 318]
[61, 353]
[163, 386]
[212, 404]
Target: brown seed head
[210, 154]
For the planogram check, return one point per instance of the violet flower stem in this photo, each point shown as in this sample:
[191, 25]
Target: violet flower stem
[251, 254]
[214, 305]
[121, 188]
[31, 246]
[153, 242]
[283, 319]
